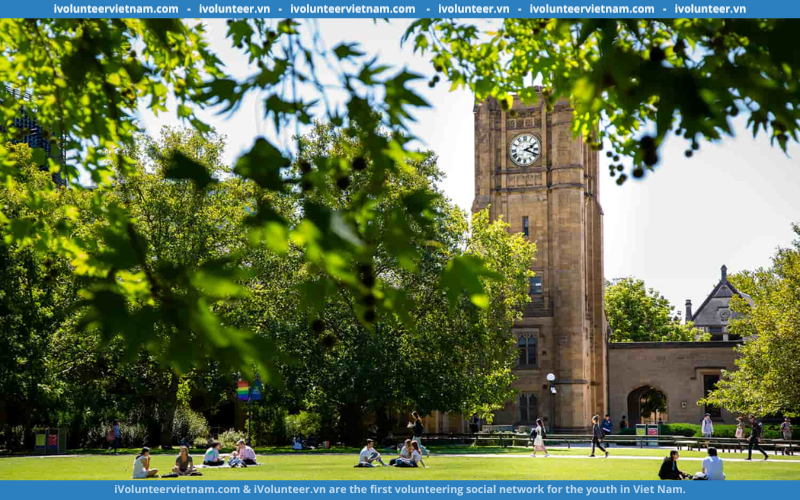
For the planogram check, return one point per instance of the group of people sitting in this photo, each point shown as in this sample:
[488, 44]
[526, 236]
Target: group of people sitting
[409, 456]
[242, 456]
[711, 468]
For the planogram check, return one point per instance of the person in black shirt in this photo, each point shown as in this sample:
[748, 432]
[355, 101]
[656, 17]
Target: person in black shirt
[755, 439]
[419, 429]
[597, 435]
[669, 468]
[623, 424]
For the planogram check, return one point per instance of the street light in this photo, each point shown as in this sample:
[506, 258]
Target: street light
[551, 378]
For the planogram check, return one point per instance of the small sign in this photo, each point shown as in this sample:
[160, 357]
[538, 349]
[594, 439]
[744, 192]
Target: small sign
[243, 390]
[255, 395]
[52, 440]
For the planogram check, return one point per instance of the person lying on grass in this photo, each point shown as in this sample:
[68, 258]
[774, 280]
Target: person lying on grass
[141, 465]
[183, 464]
[212, 458]
[368, 455]
[416, 457]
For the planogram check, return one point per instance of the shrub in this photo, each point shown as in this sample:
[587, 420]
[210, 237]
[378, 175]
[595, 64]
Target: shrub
[269, 426]
[229, 438]
[188, 424]
[304, 423]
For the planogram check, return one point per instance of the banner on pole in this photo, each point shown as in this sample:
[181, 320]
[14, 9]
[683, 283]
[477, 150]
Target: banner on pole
[243, 390]
[256, 394]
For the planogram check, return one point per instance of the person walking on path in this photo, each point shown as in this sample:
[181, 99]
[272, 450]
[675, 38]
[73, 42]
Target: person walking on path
[597, 436]
[607, 425]
[786, 433]
[707, 427]
[419, 429]
[113, 435]
[739, 428]
[755, 439]
[539, 434]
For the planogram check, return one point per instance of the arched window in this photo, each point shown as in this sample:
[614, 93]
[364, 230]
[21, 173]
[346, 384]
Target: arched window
[523, 408]
[528, 409]
[532, 350]
[527, 350]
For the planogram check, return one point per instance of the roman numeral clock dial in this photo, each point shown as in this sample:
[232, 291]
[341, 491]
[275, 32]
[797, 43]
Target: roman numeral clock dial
[524, 149]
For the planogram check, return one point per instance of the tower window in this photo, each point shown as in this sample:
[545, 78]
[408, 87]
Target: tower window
[527, 349]
[526, 230]
[535, 285]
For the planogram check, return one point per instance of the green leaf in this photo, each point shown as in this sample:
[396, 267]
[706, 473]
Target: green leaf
[184, 168]
[263, 164]
[347, 50]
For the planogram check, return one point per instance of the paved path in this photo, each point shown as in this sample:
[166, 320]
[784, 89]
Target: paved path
[437, 456]
[600, 457]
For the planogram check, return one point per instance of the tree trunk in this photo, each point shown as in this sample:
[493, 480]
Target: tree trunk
[352, 431]
[169, 404]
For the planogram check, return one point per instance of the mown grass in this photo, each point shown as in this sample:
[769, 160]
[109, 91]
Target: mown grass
[340, 467]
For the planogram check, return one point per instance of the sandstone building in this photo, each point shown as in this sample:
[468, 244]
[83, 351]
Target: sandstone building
[532, 172]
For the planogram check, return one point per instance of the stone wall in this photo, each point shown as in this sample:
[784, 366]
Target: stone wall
[674, 368]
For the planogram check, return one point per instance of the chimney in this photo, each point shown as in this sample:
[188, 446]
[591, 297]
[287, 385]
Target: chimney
[688, 310]
[724, 273]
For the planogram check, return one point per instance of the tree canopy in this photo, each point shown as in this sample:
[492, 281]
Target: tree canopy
[767, 378]
[631, 82]
[639, 314]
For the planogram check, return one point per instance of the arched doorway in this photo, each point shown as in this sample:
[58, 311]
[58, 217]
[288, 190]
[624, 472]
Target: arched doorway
[647, 405]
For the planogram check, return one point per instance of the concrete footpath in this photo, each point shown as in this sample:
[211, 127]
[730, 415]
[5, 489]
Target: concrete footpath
[602, 457]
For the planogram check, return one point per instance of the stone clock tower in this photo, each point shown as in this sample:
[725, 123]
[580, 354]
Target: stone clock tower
[532, 172]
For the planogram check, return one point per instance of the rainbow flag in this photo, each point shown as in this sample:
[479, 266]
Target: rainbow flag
[243, 390]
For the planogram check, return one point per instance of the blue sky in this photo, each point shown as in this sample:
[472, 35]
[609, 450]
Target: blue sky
[731, 203]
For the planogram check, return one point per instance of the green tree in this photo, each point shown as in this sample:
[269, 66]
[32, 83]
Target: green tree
[442, 349]
[767, 378]
[639, 314]
[631, 82]
[37, 289]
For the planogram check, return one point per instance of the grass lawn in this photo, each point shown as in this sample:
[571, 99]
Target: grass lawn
[442, 467]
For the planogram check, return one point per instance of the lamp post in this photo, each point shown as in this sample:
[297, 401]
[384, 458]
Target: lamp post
[551, 378]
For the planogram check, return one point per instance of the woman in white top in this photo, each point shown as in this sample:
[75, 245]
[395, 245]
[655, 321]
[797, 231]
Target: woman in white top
[405, 452]
[739, 428]
[141, 465]
[538, 441]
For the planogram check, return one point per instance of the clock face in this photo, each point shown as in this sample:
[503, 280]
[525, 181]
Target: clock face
[524, 149]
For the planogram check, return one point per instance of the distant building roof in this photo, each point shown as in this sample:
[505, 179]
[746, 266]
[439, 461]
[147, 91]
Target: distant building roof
[715, 310]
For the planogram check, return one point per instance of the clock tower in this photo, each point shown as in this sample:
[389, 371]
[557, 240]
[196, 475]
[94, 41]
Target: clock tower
[532, 172]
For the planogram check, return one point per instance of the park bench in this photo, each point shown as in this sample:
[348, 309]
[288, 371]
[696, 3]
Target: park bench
[787, 448]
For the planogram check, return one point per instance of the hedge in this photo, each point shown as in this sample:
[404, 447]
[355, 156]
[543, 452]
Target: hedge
[771, 431]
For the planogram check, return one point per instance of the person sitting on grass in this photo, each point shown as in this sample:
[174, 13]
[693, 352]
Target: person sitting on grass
[183, 464]
[414, 461]
[141, 465]
[712, 466]
[669, 468]
[405, 452]
[212, 458]
[368, 455]
[235, 461]
[246, 453]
